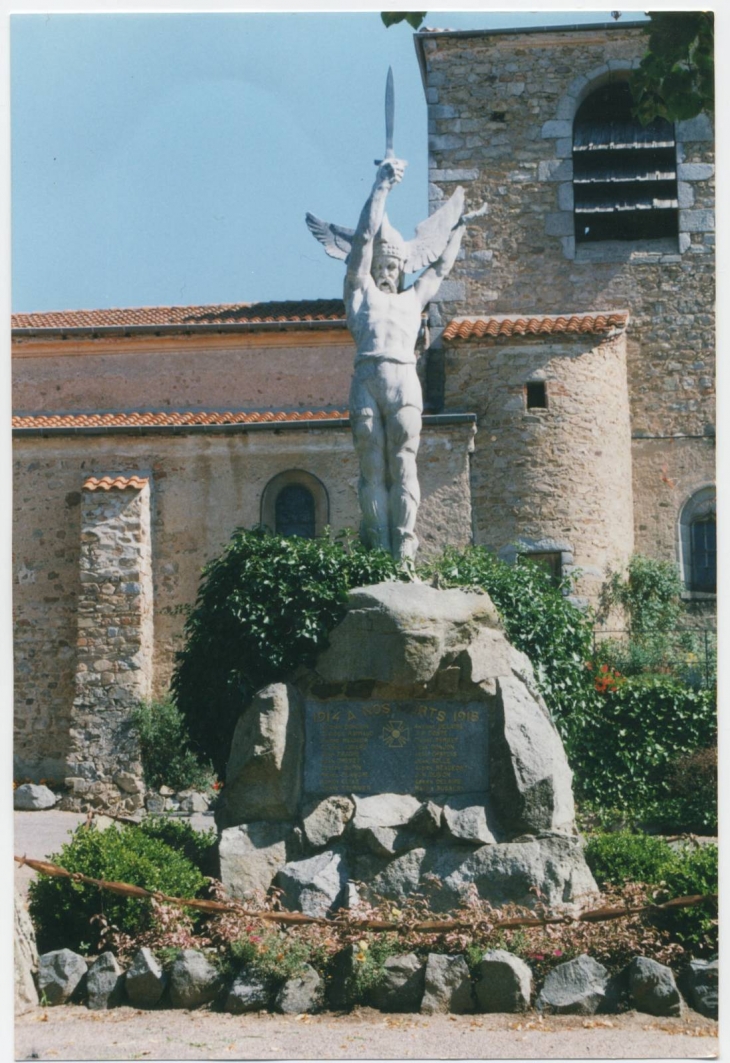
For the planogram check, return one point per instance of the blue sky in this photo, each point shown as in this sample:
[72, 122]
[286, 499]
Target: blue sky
[170, 158]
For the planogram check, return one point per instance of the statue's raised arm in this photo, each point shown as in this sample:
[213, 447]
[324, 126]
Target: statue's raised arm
[390, 173]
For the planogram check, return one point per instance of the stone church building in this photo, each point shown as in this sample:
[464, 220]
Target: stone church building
[567, 369]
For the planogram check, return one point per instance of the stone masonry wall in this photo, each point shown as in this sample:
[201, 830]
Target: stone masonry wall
[115, 641]
[554, 479]
[500, 124]
[515, 261]
[202, 487]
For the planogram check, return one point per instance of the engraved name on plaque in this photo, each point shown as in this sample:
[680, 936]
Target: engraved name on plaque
[368, 747]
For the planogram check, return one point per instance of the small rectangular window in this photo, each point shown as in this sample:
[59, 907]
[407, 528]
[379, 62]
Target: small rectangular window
[551, 561]
[536, 395]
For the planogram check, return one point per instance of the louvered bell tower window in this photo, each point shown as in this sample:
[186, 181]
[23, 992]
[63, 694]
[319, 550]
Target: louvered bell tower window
[624, 174]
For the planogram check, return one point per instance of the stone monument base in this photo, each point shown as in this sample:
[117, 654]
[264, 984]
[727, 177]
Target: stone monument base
[417, 756]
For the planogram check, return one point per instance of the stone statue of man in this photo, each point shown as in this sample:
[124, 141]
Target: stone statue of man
[385, 318]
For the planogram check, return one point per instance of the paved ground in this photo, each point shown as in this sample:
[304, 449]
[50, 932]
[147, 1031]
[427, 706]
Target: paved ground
[75, 1033]
[71, 1033]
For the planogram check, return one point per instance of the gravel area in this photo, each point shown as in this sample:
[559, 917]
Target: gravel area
[75, 1033]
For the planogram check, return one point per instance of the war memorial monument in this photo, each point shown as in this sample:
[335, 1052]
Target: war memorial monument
[417, 755]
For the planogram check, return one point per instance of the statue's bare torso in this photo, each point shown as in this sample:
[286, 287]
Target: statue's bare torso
[383, 325]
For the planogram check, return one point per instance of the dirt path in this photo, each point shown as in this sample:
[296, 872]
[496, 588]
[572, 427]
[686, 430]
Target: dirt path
[68, 1033]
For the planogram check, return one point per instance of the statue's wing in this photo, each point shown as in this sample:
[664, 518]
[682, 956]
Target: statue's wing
[336, 239]
[433, 233]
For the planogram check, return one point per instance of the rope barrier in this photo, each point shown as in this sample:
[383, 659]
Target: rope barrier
[428, 926]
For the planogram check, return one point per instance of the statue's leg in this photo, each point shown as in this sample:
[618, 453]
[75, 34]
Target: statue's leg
[403, 433]
[368, 434]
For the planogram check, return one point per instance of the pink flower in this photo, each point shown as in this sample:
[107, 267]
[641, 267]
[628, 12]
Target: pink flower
[558, 952]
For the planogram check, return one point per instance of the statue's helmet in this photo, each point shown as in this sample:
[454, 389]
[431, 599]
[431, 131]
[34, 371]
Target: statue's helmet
[389, 242]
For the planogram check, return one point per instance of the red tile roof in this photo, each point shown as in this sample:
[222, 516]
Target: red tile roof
[504, 325]
[169, 419]
[120, 483]
[297, 311]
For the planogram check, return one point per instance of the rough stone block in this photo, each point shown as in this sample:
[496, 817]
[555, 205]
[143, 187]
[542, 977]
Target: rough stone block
[301, 995]
[145, 981]
[530, 780]
[555, 170]
[693, 129]
[464, 821]
[193, 980]
[447, 986]
[402, 985]
[565, 196]
[452, 291]
[263, 774]
[695, 171]
[251, 855]
[248, 993]
[105, 983]
[59, 975]
[696, 221]
[559, 223]
[326, 819]
[653, 988]
[313, 886]
[577, 987]
[556, 129]
[505, 982]
[32, 798]
[700, 985]
[443, 176]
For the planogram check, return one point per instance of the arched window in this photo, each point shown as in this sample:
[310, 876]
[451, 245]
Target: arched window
[624, 174]
[295, 503]
[698, 542]
[294, 511]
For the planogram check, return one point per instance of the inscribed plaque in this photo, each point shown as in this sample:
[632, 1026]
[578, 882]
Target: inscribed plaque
[368, 747]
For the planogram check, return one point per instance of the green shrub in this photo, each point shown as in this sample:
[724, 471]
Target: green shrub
[692, 801]
[650, 594]
[693, 871]
[622, 747]
[62, 910]
[264, 606]
[627, 857]
[199, 847]
[624, 857]
[167, 759]
[538, 619]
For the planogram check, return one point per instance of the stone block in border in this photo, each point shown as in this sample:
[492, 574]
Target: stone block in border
[505, 982]
[465, 821]
[250, 856]
[577, 987]
[447, 986]
[402, 984]
[326, 819]
[313, 886]
[653, 988]
[302, 994]
[193, 980]
[249, 992]
[59, 974]
[105, 983]
[145, 981]
[700, 984]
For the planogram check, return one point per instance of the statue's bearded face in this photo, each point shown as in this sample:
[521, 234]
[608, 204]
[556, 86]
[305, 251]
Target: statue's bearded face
[386, 271]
